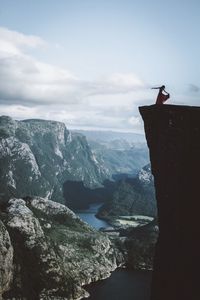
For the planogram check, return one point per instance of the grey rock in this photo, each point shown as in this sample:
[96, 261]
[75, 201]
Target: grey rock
[38, 156]
[6, 260]
[55, 252]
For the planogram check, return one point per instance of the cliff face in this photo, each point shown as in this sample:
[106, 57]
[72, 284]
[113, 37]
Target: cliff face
[47, 252]
[173, 137]
[6, 259]
[38, 156]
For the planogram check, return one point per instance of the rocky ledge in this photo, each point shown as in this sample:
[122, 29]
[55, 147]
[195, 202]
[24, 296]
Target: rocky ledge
[173, 137]
[47, 252]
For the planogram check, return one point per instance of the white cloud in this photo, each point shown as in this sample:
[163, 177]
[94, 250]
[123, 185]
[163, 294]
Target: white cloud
[125, 82]
[11, 41]
[31, 88]
[135, 121]
[117, 83]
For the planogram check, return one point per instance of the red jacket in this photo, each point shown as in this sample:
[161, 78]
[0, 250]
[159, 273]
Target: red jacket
[161, 98]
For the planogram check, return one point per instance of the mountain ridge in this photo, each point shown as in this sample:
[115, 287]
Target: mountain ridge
[38, 156]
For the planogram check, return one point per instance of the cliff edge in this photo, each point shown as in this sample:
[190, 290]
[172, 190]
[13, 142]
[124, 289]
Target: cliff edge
[173, 138]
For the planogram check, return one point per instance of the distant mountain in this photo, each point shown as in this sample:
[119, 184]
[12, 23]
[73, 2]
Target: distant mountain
[107, 136]
[38, 156]
[119, 152]
[132, 196]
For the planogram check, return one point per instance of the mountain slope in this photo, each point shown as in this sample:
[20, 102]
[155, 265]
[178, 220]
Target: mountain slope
[55, 253]
[38, 156]
[119, 152]
[132, 196]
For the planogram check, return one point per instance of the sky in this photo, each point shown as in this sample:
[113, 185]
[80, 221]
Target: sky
[91, 63]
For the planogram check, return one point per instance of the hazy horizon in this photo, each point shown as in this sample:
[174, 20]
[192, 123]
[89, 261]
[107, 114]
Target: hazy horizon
[95, 129]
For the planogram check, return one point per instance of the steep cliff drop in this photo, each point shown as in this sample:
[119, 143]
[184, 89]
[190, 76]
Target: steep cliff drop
[173, 137]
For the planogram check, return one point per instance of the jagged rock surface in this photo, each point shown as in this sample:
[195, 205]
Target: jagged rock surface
[55, 253]
[6, 260]
[38, 156]
[173, 136]
[145, 175]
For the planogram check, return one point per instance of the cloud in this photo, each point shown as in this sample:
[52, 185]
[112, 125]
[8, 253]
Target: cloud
[32, 88]
[194, 88]
[25, 80]
[12, 42]
[117, 83]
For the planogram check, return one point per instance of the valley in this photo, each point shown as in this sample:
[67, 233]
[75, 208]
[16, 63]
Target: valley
[47, 173]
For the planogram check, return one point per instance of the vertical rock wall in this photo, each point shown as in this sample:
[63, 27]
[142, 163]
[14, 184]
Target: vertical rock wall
[173, 137]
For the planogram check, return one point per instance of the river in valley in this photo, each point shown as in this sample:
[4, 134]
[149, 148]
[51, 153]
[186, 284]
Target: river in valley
[88, 216]
[123, 284]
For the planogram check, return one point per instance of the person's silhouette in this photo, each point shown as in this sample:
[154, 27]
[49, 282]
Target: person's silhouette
[161, 98]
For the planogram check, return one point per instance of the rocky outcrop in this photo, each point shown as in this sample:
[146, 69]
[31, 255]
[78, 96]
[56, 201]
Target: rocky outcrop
[38, 156]
[131, 196]
[55, 253]
[145, 175]
[173, 137]
[6, 260]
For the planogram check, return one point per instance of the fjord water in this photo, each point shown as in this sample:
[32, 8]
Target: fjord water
[123, 284]
[88, 216]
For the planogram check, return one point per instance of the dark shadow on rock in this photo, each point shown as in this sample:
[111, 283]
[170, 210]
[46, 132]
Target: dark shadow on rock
[78, 196]
[173, 137]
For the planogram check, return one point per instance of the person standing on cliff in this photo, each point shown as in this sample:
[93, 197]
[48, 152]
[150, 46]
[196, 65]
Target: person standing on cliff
[161, 98]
